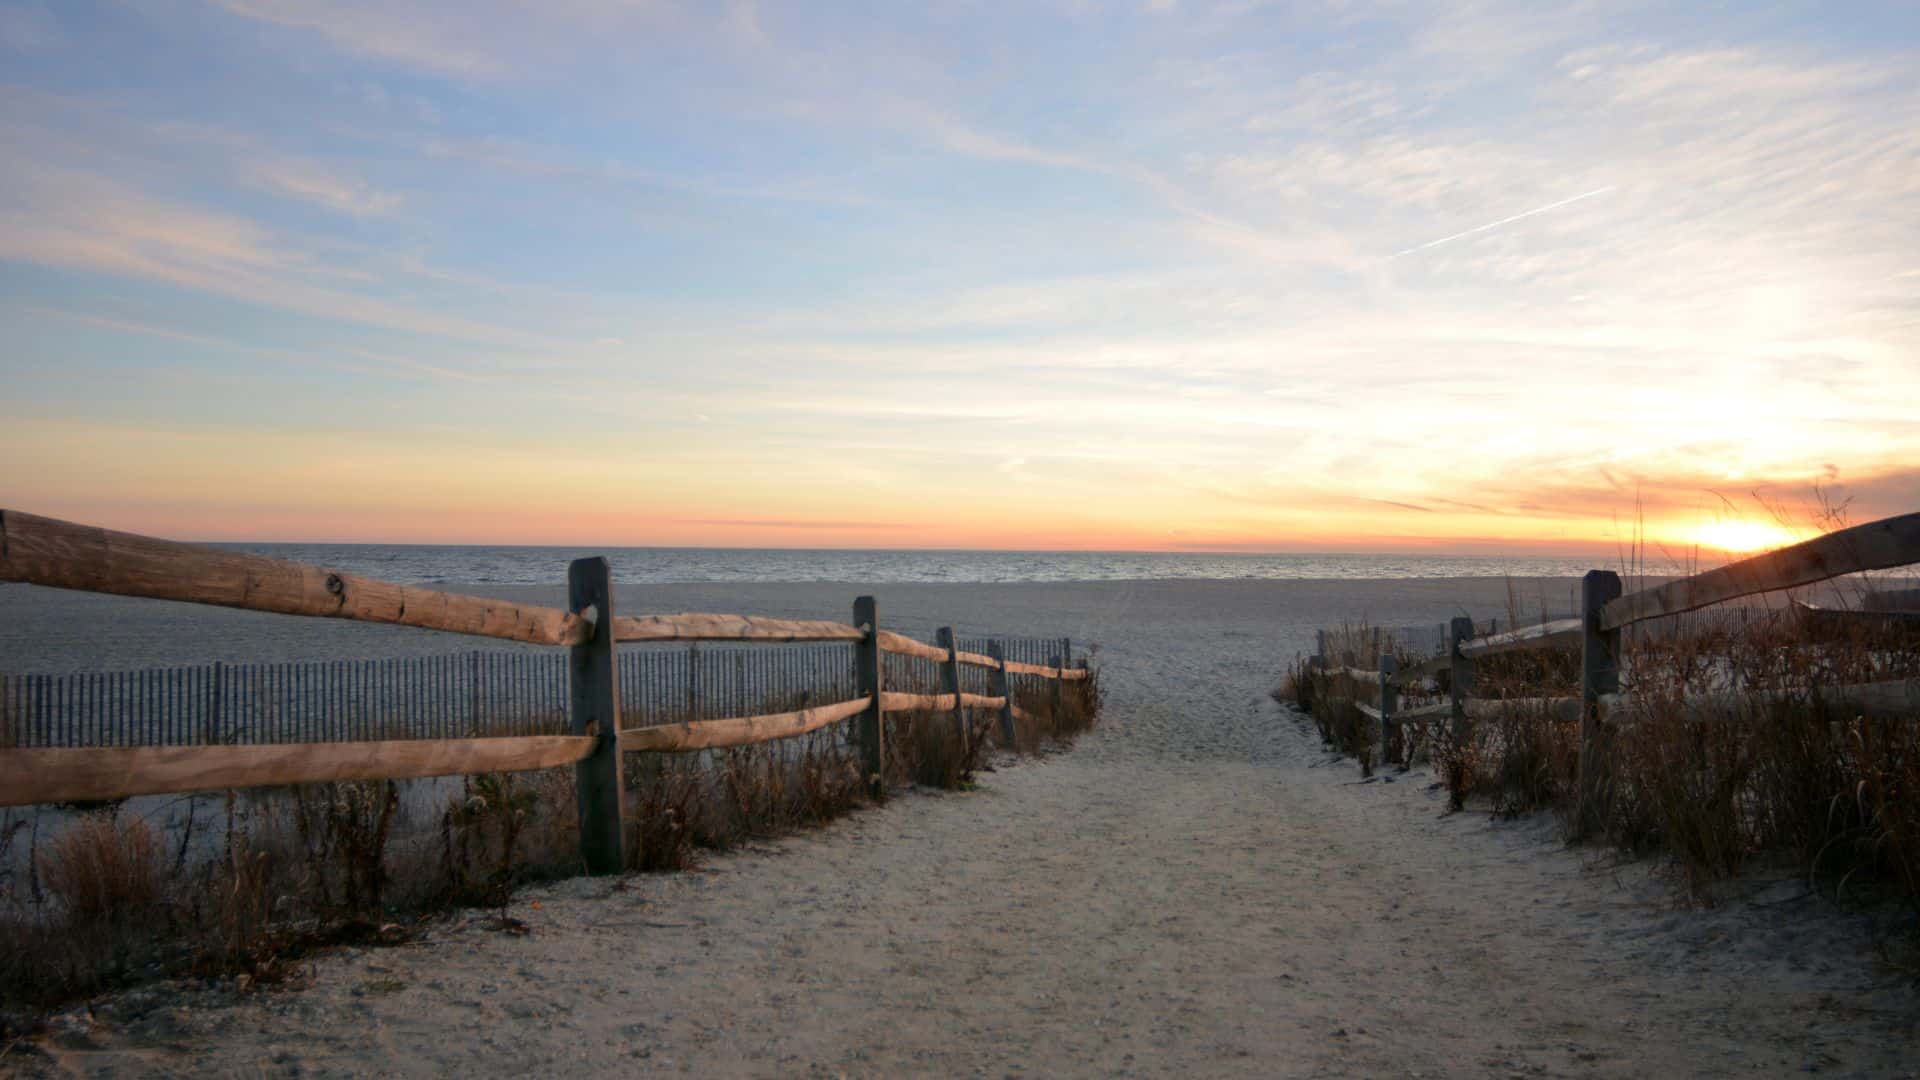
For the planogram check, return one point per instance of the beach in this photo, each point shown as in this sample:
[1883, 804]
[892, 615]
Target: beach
[1197, 886]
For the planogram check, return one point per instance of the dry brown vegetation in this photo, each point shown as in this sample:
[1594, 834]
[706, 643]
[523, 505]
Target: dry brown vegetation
[1329, 697]
[247, 883]
[256, 880]
[1774, 771]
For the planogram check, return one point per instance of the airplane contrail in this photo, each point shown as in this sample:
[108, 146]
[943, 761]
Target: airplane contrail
[1507, 220]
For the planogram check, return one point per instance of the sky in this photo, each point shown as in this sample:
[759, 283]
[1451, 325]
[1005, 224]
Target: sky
[1314, 276]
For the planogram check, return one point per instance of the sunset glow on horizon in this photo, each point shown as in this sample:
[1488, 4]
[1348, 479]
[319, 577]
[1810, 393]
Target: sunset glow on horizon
[1178, 276]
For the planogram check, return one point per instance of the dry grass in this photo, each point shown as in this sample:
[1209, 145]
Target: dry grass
[1775, 771]
[680, 804]
[505, 829]
[935, 749]
[1329, 696]
[1049, 719]
[260, 879]
[1778, 769]
[104, 870]
[683, 804]
[1526, 758]
[101, 884]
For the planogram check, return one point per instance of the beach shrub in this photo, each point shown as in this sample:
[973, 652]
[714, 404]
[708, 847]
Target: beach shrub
[1524, 758]
[1053, 716]
[1527, 756]
[936, 749]
[262, 878]
[1733, 749]
[1331, 700]
[505, 829]
[664, 800]
[1885, 755]
[680, 804]
[104, 869]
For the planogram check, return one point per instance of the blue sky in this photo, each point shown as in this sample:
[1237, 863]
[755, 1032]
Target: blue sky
[1312, 275]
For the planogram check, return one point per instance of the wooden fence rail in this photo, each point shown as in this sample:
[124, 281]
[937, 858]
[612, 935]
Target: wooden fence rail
[694, 626]
[100, 773]
[1877, 545]
[738, 730]
[46, 551]
[1596, 629]
[1538, 636]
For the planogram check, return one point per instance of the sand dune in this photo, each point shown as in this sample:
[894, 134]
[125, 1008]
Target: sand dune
[1195, 888]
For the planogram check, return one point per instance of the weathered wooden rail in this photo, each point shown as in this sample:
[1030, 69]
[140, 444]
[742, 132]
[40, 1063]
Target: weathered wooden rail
[1597, 628]
[46, 551]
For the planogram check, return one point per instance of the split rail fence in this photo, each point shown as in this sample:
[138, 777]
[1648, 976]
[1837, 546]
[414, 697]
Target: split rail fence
[1605, 613]
[404, 719]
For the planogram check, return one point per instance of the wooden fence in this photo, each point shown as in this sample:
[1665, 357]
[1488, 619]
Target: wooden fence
[587, 691]
[471, 693]
[1597, 628]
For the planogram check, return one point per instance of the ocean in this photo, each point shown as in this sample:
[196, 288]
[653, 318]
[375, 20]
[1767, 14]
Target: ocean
[478, 565]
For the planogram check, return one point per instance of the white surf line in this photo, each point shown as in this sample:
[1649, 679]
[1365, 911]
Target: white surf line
[1506, 220]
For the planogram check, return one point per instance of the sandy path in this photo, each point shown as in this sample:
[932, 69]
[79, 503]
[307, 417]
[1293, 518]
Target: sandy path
[1195, 888]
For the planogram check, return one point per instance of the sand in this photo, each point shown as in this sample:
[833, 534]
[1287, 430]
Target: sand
[1195, 888]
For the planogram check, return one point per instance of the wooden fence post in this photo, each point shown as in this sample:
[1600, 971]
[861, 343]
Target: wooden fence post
[693, 681]
[737, 703]
[1599, 674]
[1066, 662]
[1059, 666]
[950, 683]
[1389, 727]
[594, 708]
[216, 688]
[1320, 643]
[1462, 679]
[1000, 685]
[867, 673]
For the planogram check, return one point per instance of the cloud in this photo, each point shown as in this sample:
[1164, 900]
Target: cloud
[531, 159]
[791, 523]
[474, 42]
[442, 42]
[68, 218]
[313, 183]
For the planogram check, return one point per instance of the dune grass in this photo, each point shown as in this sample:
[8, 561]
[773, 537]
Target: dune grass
[247, 884]
[1774, 772]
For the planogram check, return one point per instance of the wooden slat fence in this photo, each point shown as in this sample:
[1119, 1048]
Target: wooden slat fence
[108, 735]
[459, 695]
[462, 695]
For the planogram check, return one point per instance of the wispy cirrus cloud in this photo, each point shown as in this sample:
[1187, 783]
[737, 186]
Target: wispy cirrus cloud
[323, 187]
[438, 40]
[61, 217]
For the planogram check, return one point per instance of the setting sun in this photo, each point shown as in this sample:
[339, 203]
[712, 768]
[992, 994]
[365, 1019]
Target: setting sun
[1745, 534]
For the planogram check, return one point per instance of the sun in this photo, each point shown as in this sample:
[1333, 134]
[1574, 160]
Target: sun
[1741, 535]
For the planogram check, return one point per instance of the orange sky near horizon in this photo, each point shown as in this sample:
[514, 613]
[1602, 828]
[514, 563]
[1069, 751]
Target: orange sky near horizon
[275, 487]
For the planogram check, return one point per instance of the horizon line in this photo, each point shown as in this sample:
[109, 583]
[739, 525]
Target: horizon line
[1250, 552]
